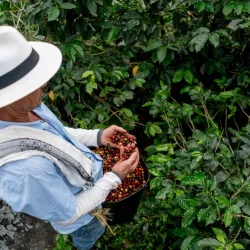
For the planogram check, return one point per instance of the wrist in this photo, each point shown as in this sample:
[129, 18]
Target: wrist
[99, 136]
[118, 175]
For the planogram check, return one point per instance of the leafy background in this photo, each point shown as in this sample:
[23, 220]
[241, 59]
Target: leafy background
[176, 74]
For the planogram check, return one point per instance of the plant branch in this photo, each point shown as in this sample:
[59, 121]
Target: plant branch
[240, 189]
[218, 144]
[218, 209]
[244, 111]
[192, 125]
[236, 236]
[225, 170]
[177, 143]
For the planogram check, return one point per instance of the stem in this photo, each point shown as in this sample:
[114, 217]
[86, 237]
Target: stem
[177, 143]
[192, 125]
[236, 236]
[87, 105]
[207, 115]
[236, 124]
[219, 140]
[218, 209]
[20, 15]
[113, 113]
[140, 124]
[241, 216]
[225, 170]
[240, 189]
[244, 112]
[226, 123]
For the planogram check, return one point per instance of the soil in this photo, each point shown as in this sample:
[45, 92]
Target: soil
[19, 231]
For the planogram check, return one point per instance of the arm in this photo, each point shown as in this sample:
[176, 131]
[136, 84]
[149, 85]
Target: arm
[85, 136]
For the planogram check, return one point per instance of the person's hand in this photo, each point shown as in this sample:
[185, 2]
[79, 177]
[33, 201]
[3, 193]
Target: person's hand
[125, 167]
[112, 130]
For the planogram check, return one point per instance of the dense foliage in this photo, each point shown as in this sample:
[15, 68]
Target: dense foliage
[177, 72]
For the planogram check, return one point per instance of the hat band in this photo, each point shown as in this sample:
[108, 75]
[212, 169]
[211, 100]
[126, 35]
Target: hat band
[20, 71]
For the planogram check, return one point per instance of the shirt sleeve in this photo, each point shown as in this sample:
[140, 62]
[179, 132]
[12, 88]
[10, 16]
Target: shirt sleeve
[42, 192]
[90, 138]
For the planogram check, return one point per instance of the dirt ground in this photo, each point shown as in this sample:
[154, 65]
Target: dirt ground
[23, 232]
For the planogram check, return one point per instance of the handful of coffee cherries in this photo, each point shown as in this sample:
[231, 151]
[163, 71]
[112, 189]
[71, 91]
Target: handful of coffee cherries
[134, 180]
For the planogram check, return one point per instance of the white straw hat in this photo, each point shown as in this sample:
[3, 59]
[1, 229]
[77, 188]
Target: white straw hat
[24, 66]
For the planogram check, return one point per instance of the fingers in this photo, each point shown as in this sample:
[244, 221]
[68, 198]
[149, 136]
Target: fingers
[130, 161]
[135, 164]
[118, 129]
[113, 145]
[132, 136]
[121, 152]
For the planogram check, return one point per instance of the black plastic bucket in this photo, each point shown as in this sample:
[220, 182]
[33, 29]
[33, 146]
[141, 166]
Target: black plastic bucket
[124, 211]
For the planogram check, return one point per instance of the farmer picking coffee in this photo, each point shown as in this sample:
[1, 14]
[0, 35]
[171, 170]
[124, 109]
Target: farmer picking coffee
[46, 169]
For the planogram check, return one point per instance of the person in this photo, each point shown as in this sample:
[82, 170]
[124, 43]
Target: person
[33, 181]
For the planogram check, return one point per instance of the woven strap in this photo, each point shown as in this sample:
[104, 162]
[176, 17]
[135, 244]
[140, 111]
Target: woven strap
[15, 139]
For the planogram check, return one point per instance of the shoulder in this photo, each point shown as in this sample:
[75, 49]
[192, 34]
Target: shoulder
[31, 166]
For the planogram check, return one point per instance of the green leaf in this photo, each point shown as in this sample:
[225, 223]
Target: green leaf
[228, 8]
[53, 13]
[151, 45]
[218, 232]
[188, 217]
[214, 39]
[213, 184]
[209, 242]
[69, 108]
[92, 7]
[89, 88]
[223, 200]
[162, 193]
[227, 94]
[187, 243]
[159, 158]
[68, 6]
[87, 73]
[154, 129]
[178, 76]
[71, 53]
[238, 8]
[208, 214]
[197, 179]
[161, 53]
[100, 117]
[248, 128]
[235, 209]
[92, 82]
[156, 182]
[200, 6]
[199, 41]
[238, 246]
[127, 112]
[111, 35]
[78, 49]
[188, 75]
[187, 110]
[132, 23]
[244, 139]
[228, 217]
[163, 147]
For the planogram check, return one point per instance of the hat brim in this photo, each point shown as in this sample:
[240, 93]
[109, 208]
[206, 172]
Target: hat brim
[50, 59]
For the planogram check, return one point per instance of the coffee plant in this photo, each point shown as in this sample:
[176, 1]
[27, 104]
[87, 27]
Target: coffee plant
[176, 74]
